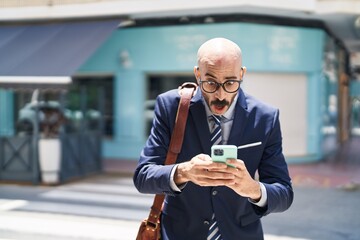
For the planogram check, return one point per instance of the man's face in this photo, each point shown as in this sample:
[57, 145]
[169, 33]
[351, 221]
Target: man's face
[221, 71]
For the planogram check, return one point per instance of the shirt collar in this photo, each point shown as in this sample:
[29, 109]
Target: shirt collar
[229, 114]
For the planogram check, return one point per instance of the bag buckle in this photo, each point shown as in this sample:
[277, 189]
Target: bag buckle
[151, 225]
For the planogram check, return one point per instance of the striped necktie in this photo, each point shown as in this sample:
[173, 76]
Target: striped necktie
[216, 138]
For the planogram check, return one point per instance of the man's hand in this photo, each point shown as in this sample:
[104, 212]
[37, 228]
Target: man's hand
[244, 184]
[202, 171]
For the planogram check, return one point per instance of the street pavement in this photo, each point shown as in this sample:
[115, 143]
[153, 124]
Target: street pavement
[98, 207]
[108, 207]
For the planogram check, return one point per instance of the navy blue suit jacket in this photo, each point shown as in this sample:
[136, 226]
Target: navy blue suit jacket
[186, 214]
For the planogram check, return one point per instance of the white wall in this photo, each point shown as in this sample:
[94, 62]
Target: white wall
[288, 92]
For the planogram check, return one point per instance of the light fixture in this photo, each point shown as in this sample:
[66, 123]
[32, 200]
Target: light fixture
[125, 59]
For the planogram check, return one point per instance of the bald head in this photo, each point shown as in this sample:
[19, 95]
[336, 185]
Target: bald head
[218, 50]
[219, 61]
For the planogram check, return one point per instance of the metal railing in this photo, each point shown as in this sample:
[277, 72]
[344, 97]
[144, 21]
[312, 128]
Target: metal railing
[18, 159]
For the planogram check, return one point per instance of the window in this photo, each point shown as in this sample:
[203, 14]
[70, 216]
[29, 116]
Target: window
[94, 94]
[157, 84]
[49, 112]
[88, 101]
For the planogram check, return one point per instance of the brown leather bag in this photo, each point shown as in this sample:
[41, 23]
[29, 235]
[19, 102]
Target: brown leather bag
[150, 227]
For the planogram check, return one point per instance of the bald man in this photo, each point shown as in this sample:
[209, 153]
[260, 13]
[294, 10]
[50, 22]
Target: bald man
[207, 199]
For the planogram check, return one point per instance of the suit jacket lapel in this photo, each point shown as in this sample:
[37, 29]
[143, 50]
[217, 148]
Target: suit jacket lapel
[198, 114]
[240, 120]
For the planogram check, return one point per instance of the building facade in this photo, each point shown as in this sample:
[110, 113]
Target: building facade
[293, 68]
[294, 63]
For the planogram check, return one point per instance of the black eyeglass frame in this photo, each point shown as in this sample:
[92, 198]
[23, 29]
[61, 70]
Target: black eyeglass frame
[220, 84]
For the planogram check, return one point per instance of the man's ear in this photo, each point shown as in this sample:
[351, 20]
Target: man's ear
[242, 73]
[197, 74]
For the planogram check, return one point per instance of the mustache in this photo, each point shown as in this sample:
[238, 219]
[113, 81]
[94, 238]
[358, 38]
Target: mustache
[219, 103]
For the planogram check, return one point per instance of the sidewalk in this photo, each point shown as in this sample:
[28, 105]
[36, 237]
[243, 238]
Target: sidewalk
[325, 174]
[49, 226]
[341, 169]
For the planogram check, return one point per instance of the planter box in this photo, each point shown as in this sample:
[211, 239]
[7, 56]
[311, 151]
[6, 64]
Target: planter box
[50, 158]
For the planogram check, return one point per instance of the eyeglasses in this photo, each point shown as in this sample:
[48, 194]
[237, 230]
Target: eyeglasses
[229, 86]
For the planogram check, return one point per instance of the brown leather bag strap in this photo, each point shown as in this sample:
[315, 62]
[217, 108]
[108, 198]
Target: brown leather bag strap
[186, 91]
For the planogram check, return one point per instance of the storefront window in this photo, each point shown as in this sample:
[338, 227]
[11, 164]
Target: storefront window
[81, 110]
[88, 98]
[355, 108]
[50, 112]
[330, 83]
[157, 84]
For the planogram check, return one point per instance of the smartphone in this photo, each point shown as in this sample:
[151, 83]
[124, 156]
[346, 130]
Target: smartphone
[219, 153]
